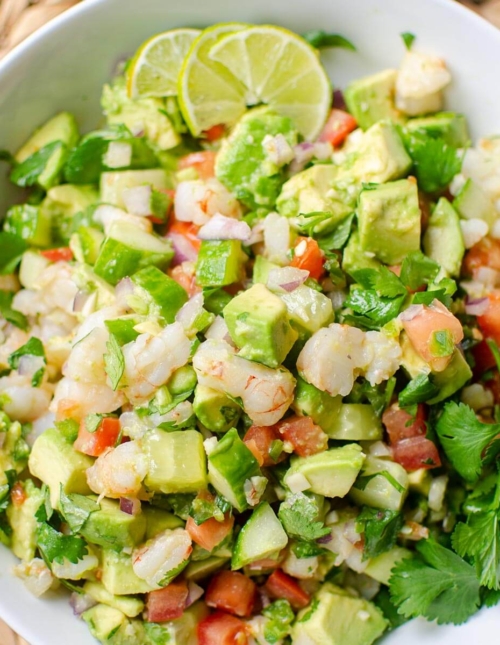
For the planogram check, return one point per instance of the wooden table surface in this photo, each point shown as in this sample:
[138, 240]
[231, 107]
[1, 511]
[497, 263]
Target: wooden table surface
[19, 18]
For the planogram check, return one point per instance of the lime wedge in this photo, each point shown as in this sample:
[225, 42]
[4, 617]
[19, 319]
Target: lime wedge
[209, 94]
[155, 67]
[281, 69]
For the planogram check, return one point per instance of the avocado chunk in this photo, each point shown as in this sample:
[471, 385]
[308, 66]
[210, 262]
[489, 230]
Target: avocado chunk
[355, 257]
[177, 461]
[56, 464]
[337, 618]
[157, 294]
[449, 126]
[320, 406]
[312, 191]
[389, 220]
[30, 223]
[355, 422]
[261, 269]
[158, 520]
[214, 409]
[473, 202]
[381, 484]
[23, 522]
[220, 263]
[111, 528]
[61, 127]
[371, 99]
[118, 576]
[198, 570]
[453, 378]
[113, 184]
[380, 568]
[308, 309]
[129, 605]
[330, 473]
[242, 163]
[146, 115]
[259, 326]
[443, 241]
[261, 537]
[104, 621]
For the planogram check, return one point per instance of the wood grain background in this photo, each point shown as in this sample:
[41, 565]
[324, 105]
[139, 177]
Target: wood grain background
[19, 18]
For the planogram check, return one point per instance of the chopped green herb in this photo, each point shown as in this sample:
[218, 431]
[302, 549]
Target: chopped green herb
[114, 362]
[321, 39]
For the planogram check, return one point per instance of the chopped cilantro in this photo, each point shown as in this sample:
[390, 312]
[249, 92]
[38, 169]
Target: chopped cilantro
[68, 428]
[418, 270]
[13, 316]
[93, 421]
[418, 390]
[76, 509]
[320, 39]
[307, 549]
[279, 616]
[408, 39]
[380, 528]
[299, 515]
[33, 347]
[114, 362]
[204, 509]
[55, 547]
[442, 343]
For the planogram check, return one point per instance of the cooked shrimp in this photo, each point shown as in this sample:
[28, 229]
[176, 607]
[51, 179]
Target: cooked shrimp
[420, 82]
[119, 471]
[151, 360]
[55, 289]
[266, 393]
[76, 399]
[36, 576]
[385, 357]
[163, 555]
[196, 201]
[86, 361]
[22, 401]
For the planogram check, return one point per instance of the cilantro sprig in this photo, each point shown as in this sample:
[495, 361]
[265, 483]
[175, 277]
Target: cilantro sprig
[299, 516]
[380, 529]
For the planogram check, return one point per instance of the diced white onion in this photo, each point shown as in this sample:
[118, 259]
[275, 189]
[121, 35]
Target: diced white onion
[277, 238]
[137, 200]
[437, 492]
[297, 483]
[188, 313]
[277, 149]
[286, 279]
[118, 155]
[195, 592]
[220, 227]
[476, 307]
[473, 230]
[477, 397]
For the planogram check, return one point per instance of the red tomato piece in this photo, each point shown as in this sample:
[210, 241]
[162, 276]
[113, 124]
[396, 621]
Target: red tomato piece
[337, 127]
[483, 358]
[211, 533]
[305, 437]
[167, 603]
[222, 629]
[95, 443]
[489, 322]
[416, 452]
[308, 256]
[63, 254]
[233, 592]
[202, 162]
[259, 440]
[485, 253]
[214, 133]
[401, 425]
[281, 585]
[18, 494]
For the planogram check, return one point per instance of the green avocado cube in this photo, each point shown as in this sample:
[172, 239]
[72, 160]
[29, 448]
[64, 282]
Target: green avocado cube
[230, 465]
[381, 484]
[177, 461]
[371, 98]
[443, 240]
[242, 163]
[355, 258]
[473, 202]
[389, 220]
[337, 618]
[127, 249]
[111, 528]
[261, 268]
[259, 326]
[214, 409]
[129, 605]
[380, 567]
[449, 126]
[308, 309]
[453, 378]
[157, 294]
[320, 406]
[355, 422]
[203, 568]
[330, 473]
[23, 522]
[220, 262]
[30, 223]
[118, 576]
[158, 520]
[55, 463]
[61, 127]
[104, 621]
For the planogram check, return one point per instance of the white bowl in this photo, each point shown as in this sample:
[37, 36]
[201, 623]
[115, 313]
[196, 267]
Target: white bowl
[64, 65]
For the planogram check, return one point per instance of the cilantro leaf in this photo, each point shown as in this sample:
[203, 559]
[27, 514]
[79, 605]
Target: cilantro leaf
[28, 172]
[418, 390]
[55, 546]
[13, 316]
[33, 347]
[491, 598]
[383, 281]
[93, 421]
[380, 528]
[385, 604]
[12, 248]
[465, 439]
[408, 39]
[279, 616]
[320, 39]
[68, 428]
[204, 509]
[76, 509]
[114, 363]
[11, 477]
[439, 585]
[307, 549]
[337, 239]
[434, 161]
[371, 310]
[418, 270]
[299, 515]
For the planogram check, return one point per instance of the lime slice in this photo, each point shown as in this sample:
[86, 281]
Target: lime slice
[209, 94]
[281, 69]
[155, 67]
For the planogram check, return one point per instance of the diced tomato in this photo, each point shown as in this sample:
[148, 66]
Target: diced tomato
[305, 437]
[233, 592]
[259, 440]
[167, 603]
[483, 358]
[95, 443]
[281, 585]
[63, 254]
[202, 162]
[485, 253]
[401, 425]
[416, 452]
[489, 322]
[308, 256]
[222, 629]
[337, 127]
[211, 532]
[184, 275]
[214, 133]
[18, 494]
[421, 328]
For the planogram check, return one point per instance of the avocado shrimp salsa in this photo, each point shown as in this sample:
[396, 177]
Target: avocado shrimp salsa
[249, 365]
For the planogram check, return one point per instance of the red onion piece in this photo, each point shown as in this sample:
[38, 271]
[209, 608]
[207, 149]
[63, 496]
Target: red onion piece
[257, 234]
[325, 539]
[183, 249]
[130, 505]
[286, 278]
[195, 592]
[476, 306]
[338, 100]
[220, 227]
[80, 602]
